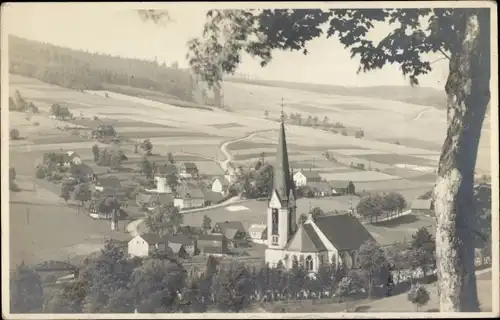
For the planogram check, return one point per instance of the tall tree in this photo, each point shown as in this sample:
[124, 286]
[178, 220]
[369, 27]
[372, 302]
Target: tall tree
[423, 246]
[462, 35]
[26, 295]
[207, 223]
[371, 259]
[234, 288]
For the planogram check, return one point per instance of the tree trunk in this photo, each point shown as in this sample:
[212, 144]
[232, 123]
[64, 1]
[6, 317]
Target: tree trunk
[468, 94]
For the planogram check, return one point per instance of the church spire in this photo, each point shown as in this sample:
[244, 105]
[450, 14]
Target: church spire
[282, 182]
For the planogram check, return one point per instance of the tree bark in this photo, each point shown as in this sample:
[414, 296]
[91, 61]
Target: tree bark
[468, 94]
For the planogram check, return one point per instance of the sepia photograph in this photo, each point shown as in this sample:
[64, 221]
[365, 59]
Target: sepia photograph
[249, 159]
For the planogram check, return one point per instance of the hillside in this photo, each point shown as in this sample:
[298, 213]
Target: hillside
[416, 95]
[91, 71]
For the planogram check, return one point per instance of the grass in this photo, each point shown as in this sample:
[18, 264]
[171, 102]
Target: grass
[242, 157]
[161, 134]
[395, 158]
[52, 231]
[227, 125]
[91, 123]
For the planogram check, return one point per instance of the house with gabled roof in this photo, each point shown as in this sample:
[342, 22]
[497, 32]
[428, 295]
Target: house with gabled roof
[258, 233]
[220, 185]
[188, 170]
[233, 231]
[335, 238]
[142, 245]
[188, 244]
[189, 197]
[213, 244]
[303, 178]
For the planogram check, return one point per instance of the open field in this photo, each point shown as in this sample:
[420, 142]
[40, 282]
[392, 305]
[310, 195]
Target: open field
[42, 228]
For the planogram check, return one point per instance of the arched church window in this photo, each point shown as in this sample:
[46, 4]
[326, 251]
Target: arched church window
[274, 216]
[309, 263]
[290, 221]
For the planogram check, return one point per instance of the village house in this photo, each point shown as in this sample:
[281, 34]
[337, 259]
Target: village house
[422, 206]
[321, 189]
[340, 188]
[189, 197]
[161, 177]
[190, 231]
[221, 185]
[160, 200]
[233, 231]
[188, 170]
[74, 158]
[109, 184]
[303, 178]
[335, 238]
[81, 173]
[258, 233]
[186, 243]
[143, 245]
[213, 244]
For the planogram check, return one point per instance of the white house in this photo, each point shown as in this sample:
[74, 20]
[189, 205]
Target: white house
[220, 185]
[258, 233]
[143, 245]
[189, 198]
[74, 158]
[302, 178]
[332, 239]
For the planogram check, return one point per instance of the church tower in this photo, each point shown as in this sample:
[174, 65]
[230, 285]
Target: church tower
[281, 212]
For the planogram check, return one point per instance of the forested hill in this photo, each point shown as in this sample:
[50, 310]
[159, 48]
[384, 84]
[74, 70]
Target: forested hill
[90, 71]
[415, 95]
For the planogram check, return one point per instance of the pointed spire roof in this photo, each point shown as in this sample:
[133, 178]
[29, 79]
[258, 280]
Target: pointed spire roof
[282, 181]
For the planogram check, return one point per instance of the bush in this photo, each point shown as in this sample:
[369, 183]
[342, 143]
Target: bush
[418, 295]
[14, 134]
[36, 124]
[359, 134]
[344, 132]
[96, 118]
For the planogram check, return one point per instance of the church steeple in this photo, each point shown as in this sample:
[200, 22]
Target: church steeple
[282, 181]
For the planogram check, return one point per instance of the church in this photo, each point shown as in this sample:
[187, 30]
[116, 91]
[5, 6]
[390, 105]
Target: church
[330, 238]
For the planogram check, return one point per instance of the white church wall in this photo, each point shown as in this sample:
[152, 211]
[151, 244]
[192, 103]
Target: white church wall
[332, 251]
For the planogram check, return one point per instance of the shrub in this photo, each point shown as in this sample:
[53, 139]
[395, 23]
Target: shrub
[344, 132]
[14, 134]
[397, 142]
[36, 124]
[96, 118]
[359, 134]
[418, 295]
[40, 173]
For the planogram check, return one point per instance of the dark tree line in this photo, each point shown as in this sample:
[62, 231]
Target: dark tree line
[90, 71]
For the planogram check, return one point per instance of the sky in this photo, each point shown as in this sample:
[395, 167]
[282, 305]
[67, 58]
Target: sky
[118, 30]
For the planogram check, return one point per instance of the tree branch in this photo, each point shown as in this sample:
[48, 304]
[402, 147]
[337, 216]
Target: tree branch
[444, 54]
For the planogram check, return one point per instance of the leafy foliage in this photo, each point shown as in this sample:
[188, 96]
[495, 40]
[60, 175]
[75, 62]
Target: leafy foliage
[372, 261]
[26, 290]
[418, 295]
[14, 134]
[423, 250]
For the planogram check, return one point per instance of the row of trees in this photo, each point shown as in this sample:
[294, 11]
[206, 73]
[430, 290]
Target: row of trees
[18, 103]
[91, 71]
[374, 206]
[110, 282]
